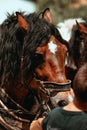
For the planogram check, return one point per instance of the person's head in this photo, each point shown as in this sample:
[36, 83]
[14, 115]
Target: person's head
[80, 84]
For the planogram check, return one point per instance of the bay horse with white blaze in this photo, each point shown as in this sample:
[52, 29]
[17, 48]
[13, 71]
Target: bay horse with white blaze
[31, 50]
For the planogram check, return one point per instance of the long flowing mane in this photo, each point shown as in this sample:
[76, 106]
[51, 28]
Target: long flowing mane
[17, 45]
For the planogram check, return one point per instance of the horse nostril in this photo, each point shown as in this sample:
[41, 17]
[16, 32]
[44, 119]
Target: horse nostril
[62, 103]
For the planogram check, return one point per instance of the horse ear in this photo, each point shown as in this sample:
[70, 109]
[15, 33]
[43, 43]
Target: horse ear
[47, 15]
[22, 22]
[81, 27]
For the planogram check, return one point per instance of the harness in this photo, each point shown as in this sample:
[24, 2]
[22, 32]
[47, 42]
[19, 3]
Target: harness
[17, 117]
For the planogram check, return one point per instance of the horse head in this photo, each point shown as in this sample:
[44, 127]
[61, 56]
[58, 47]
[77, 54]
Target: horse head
[77, 48]
[54, 57]
[30, 46]
[53, 51]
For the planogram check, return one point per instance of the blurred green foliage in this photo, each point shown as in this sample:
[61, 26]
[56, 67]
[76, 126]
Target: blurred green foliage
[61, 9]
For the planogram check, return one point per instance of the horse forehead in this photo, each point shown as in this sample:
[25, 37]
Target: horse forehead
[52, 47]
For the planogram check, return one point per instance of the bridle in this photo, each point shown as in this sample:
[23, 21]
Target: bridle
[52, 87]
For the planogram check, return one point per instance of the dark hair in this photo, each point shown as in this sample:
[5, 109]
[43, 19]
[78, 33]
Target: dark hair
[80, 84]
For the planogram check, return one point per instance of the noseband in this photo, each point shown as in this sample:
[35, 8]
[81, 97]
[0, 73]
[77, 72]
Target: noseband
[52, 88]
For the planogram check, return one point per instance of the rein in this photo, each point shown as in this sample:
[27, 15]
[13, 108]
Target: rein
[49, 89]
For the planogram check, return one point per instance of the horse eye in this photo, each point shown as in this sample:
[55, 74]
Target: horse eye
[44, 42]
[62, 103]
[38, 56]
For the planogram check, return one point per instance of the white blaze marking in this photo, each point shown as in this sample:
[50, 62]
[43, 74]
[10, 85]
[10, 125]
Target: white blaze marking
[52, 47]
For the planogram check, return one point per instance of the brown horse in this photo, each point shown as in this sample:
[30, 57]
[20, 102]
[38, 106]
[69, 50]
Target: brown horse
[53, 68]
[77, 49]
[31, 50]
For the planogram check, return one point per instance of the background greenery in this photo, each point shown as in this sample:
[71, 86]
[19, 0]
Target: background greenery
[61, 9]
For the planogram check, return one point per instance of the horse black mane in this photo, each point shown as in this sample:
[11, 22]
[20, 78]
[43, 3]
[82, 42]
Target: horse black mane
[18, 47]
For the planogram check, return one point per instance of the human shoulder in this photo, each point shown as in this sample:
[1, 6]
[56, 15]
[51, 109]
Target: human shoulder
[55, 111]
[53, 114]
